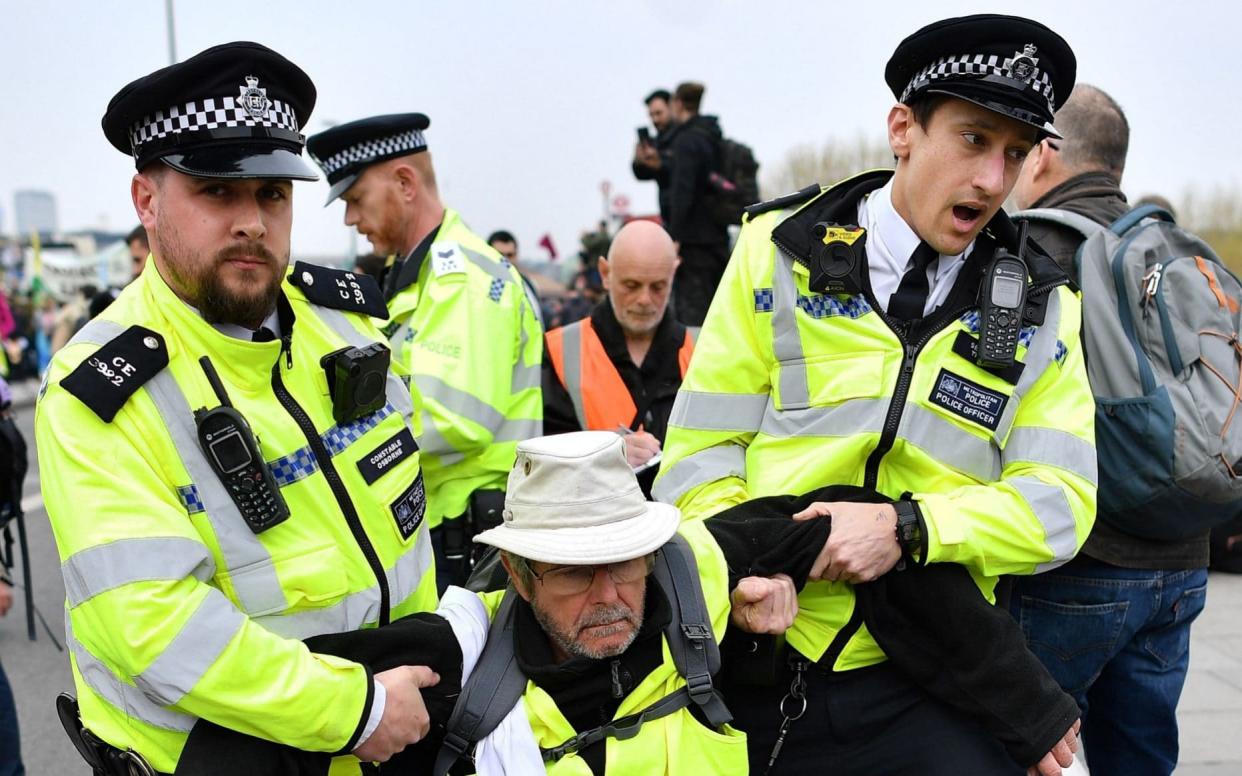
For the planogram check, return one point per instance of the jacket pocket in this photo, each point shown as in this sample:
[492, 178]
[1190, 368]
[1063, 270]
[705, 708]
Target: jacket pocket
[309, 580]
[821, 381]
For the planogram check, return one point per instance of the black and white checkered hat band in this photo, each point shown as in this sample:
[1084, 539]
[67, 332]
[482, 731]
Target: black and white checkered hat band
[392, 145]
[978, 65]
[210, 113]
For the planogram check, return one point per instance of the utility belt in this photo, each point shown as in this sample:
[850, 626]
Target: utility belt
[485, 511]
[103, 758]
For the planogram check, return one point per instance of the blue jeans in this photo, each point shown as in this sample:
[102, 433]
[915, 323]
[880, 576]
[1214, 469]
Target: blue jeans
[1118, 640]
[10, 744]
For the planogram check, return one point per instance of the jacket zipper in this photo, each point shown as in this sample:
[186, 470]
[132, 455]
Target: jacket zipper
[331, 475]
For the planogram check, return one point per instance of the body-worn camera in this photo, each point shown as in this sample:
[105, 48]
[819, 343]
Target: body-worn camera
[356, 380]
[836, 263]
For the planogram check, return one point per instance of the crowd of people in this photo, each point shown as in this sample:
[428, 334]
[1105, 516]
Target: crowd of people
[833, 503]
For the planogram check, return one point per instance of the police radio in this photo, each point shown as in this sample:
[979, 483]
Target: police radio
[233, 453]
[1002, 299]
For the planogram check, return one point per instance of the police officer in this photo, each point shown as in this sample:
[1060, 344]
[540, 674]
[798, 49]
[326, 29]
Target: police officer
[869, 333]
[229, 460]
[460, 322]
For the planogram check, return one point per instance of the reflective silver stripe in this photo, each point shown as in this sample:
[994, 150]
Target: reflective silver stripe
[1040, 355]
[108, 566]
[786, 340]
[493, 268]
[714, 463]
[121, 695]
[96, 332]
[258, 589]
[363, 607]
[948, 444]
[571, 363]
[526, 376]
[857, 416]
[518, 430]
[193, 651]
[1052, 509]
[702, 411]
[460, 402]
[398, 392]
[1052, 447]
[248, 561]
[433, 443]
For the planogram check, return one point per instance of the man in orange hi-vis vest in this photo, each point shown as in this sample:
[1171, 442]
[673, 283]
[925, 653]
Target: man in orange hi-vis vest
[619, 369]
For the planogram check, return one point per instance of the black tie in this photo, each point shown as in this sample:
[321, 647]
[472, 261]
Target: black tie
[264, 334]
[907, 302]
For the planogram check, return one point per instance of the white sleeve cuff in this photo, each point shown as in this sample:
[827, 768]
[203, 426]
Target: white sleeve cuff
[377, 713]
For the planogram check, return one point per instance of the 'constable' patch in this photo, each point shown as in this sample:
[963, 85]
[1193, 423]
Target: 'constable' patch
[410, 507]
[106, 379]
[384, 458]
[968, 400]
[446, 258]
[339, 290]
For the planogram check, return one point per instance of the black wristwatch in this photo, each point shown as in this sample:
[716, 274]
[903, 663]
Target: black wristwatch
[909, 530]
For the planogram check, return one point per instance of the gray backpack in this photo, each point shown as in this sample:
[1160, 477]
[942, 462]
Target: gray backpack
[497, 682]
[1160, 330]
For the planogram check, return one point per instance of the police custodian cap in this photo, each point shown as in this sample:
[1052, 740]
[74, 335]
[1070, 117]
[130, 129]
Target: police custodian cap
[346, 150]
[232, 111]
[1013, 66]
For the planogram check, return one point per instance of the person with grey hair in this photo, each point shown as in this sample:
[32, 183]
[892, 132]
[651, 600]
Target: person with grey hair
[1113, 624]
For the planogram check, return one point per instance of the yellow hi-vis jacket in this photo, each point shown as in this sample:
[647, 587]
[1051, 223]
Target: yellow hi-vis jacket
[175, 609]
[791, 390]
[465, 330]
[677, 744]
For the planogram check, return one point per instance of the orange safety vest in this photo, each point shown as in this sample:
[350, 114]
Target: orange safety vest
[579, 358]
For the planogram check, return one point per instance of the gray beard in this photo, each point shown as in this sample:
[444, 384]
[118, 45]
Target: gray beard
[601, 615]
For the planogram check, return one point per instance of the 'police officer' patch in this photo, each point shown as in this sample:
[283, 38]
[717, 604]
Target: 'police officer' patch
[410, 508]
[968, 400]
[384, 458]
[339, 290]
[107, 378]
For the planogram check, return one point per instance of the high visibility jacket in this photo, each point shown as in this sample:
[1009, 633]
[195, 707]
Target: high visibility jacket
[599, 394]
[176, 610]
[465, 330]
[677, 744]
[792, 390]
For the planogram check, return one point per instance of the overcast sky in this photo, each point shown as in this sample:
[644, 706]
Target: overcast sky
[533, 104]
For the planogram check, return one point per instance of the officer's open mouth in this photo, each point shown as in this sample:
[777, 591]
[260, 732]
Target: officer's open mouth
[967, 214]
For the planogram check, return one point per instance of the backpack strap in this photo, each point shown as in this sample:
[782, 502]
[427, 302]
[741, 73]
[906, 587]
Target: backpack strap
[1076, 221]
[1129, 220]
[690, 637]
[494, 687]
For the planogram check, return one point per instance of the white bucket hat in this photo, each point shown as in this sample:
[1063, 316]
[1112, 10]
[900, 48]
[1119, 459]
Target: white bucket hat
[573, 499]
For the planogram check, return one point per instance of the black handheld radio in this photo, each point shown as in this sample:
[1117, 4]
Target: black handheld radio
[233, 452]
[1002, 299]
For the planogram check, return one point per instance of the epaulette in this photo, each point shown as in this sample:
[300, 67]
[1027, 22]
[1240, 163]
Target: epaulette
[339, 289]
[112, 374]
[796, 198]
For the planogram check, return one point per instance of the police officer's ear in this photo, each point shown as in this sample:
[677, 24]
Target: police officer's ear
[407, 180]
[901, 127]
[144, 189]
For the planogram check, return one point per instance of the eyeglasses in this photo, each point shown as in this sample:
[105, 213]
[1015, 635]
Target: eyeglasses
[572, 580]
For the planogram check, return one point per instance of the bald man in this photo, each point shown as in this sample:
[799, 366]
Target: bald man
[619, 369]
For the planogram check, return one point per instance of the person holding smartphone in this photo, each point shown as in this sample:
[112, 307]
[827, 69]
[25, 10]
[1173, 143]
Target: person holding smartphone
[651, 154]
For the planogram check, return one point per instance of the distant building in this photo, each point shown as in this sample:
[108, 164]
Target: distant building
[35, 211]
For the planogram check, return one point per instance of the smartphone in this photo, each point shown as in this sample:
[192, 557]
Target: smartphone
[644, 136]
